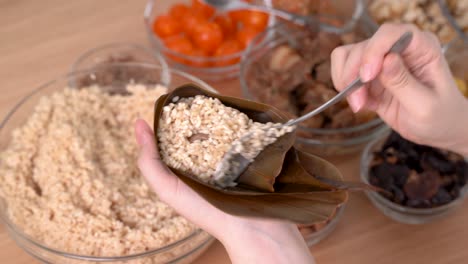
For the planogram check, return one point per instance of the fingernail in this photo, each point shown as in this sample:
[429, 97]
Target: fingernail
[355, 103]
[366, 72]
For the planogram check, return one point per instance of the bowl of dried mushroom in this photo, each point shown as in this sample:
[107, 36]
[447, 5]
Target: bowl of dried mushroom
[292, 72]
[422, 183]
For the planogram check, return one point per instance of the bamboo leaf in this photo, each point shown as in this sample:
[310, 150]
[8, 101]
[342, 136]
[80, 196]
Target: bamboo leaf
[282, 182]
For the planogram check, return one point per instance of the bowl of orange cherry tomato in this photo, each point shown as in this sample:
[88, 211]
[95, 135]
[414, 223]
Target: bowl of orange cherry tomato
[201, 40]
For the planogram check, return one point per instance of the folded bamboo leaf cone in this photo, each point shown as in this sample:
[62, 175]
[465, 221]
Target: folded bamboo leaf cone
[194, 128]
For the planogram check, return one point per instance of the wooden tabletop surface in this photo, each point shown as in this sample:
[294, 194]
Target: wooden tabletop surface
[40, 39]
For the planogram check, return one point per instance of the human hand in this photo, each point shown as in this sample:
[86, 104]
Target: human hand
[414, 92]
[247, 240]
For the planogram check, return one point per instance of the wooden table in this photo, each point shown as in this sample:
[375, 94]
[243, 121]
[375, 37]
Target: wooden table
[40, 39]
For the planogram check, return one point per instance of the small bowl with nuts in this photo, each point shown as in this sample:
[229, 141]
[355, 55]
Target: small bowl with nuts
[292, 72]
[425, 14]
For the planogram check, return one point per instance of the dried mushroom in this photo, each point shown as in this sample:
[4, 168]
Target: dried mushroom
[417, 176]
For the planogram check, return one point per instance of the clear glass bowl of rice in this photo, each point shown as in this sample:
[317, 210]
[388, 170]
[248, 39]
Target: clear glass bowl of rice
[58, 211]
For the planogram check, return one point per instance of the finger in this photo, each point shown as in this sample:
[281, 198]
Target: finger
[158, 176]
[400, 83]
[345, 62]
[357, 99]
[339, 57]
[427, 56]
[375, 93]
[341, 76]
[379, 45]
[372, 104]
[170, 189]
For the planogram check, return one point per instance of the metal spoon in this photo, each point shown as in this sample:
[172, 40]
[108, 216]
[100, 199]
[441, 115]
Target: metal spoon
[234, 163]
[230, 5]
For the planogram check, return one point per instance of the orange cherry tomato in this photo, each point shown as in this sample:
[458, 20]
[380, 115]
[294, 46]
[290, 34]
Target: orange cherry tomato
[208, 36]
[226, 24]
[191, 21]
[227, 48]
[202, 56]
[179, 44]
[246, 35]
[206, 10]
[238, 15]
[166, 26]
[256, 19]
[178, 11]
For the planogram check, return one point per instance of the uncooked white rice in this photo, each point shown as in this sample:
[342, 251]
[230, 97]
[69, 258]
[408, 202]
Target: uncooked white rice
[70, 179]
[195, 133]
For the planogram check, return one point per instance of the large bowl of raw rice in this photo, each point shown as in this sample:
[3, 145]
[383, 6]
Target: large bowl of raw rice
[70, 189]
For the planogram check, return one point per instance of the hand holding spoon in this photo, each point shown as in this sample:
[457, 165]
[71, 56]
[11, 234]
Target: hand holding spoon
[234, 162]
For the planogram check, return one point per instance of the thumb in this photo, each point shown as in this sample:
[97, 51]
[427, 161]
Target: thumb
[158, 176]
[398, 81]
[170, 189]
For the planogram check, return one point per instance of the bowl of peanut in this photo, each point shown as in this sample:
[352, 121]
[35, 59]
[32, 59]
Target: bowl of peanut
[425, 14]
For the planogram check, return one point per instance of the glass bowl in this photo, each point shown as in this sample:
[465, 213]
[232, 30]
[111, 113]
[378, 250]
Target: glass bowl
[184, 250]
[329, 12]
[398, 212]
[314, 237]
[123, 53]
[445, 36]
[456, 54]
[118, 53]
[155, 8]
[319, 141]
[448, 12]
[316, 232]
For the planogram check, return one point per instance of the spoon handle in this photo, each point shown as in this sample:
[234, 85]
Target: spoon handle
[397, 47]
